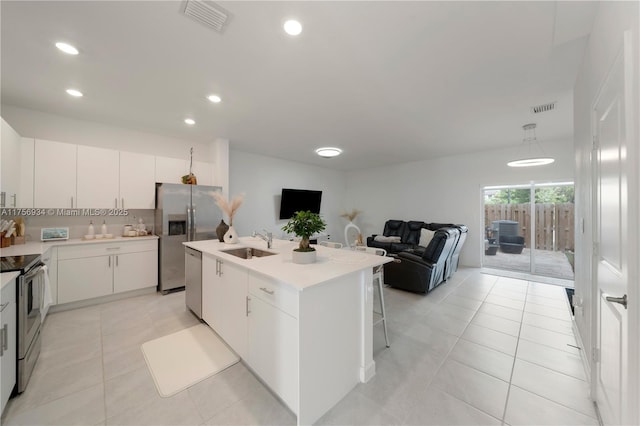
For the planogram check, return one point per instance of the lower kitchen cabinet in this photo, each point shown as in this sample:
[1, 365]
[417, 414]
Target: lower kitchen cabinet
[273, 348]
[134, 271]
[84, 278]
[92, 270]
[8, 341]
[224, 301]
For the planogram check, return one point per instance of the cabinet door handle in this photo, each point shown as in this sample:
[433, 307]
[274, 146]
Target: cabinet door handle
[116, 260]
[15, 200]
[266, 290]
[109, 257]
[113, 248]
[116, 202]
[71, 201]
[2, 339]
[5, 337]
[220, 268]
[122, 205]
[247, 308]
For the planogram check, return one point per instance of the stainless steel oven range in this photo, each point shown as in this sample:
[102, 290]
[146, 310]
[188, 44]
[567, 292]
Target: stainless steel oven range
[30, 292]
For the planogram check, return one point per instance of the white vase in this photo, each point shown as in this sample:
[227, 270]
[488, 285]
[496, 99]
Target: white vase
[231, 236]
[303, 257]
[351, 232]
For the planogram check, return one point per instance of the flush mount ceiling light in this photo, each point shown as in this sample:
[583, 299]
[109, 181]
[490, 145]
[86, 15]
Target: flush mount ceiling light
[535, 155]
[293, 27]
[67, 48]
[328, 152]
[74, 92]
[190, 121]
[214, 98]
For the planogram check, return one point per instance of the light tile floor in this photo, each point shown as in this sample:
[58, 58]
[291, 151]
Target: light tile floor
[480, 349]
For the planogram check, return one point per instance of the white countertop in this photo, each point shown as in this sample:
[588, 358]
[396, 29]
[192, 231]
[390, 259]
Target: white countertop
[8, 277]
[39, 247]
[331, 263]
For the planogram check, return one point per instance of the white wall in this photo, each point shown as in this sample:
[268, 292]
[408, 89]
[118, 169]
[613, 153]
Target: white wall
[612, 19]
[262, 178]
[40, 125]
[447, 190]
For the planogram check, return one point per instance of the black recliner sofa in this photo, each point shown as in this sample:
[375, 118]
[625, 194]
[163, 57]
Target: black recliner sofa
[422, 273]
[408, 232]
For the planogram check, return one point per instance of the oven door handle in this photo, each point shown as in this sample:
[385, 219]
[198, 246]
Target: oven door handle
[33, 272]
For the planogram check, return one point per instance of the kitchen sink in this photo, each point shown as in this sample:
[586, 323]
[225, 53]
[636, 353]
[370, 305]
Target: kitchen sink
[248, 252]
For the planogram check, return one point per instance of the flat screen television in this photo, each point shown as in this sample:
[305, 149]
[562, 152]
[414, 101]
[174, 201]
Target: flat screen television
[294, 200]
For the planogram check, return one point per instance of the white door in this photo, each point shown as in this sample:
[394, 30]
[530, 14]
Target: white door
[615, 256]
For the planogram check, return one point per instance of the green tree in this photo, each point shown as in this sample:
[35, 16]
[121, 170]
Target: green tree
[547, 194]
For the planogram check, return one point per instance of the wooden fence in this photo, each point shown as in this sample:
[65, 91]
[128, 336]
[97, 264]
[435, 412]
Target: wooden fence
[554, 223]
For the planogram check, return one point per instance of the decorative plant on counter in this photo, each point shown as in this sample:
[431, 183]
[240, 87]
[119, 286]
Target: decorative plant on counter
[304, 224]
[229, 208]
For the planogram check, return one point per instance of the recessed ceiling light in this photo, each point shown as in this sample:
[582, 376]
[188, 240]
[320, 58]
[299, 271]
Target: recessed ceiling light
[214, 98]
[190, 121]
[67, 48]
[74, 92]
[293, 27]
[328, 152]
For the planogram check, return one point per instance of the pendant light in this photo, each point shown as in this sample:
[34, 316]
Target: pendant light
[535, 155]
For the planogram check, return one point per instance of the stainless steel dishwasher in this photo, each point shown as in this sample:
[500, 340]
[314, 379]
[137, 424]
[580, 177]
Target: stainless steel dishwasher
[193, 280]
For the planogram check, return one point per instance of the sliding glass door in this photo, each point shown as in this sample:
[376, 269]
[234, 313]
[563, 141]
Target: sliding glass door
[532, 237]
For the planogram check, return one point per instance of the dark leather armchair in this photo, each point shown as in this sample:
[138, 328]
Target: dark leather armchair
[511, 244]
[422, 274]
[392, 228]
[452, 265]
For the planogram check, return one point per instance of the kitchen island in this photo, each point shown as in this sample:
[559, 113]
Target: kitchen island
[305, 330]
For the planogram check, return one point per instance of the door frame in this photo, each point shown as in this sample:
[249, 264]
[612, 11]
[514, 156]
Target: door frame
[630, 410]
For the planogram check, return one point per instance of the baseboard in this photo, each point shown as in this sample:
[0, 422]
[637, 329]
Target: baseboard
[100, 300]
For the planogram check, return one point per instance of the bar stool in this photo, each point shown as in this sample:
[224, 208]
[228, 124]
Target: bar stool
[378, 275]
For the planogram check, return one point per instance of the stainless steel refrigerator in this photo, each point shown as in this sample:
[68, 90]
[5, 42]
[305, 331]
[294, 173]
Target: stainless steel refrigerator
[183, 213]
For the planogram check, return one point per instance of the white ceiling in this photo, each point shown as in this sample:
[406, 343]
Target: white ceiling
[388, 82]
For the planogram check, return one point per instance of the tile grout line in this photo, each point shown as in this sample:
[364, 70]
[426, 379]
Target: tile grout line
[515, 357]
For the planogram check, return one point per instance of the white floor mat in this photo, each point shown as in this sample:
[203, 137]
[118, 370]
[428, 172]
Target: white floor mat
[183, 359]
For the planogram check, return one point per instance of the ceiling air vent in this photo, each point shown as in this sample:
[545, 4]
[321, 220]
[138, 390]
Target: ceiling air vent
[207, 13]
[543, 108]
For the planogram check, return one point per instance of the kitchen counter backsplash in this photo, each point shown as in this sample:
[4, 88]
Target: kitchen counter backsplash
[79, 225]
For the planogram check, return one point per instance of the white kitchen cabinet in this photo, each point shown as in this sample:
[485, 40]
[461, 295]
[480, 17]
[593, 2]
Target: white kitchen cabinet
[84, 278]
[9, 164]
[273, 348]
[87, 271]
[8, 352]
[134, 271]
[224, 301]
[54, 174]
[137, 181]
[27, 152]
[171, 170]
[98, 177]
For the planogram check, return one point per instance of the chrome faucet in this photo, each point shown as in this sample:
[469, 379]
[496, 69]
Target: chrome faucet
[267, 236]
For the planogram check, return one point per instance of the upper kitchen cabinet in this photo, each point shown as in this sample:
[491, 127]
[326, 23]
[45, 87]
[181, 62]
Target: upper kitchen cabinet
[54, 174]
[171, 170]
[10, 173]
[137, 180]
[98, 177]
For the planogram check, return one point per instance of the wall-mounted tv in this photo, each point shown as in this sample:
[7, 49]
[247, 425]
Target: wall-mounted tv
[294, 200]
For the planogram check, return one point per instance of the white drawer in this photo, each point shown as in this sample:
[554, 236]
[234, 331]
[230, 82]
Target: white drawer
[105, 249]
[280, 295]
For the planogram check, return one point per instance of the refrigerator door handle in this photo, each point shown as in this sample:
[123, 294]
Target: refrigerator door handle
[188, 223]
[193, 221]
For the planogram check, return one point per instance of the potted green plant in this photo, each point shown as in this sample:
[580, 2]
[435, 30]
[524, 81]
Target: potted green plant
[304, 224]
